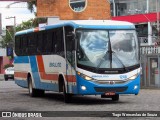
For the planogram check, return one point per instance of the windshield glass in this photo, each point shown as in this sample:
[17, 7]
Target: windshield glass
[124, 45]
[107, 49]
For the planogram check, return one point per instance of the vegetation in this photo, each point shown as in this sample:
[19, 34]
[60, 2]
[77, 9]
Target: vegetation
[31, 5]
[32, 23]
[7, 66]
[8, 38]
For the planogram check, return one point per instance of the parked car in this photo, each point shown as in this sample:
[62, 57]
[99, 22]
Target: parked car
[9, 73]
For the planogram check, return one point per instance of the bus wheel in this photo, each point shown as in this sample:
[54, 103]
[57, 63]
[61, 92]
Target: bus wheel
[115, 97]
[67, 97]
[32, 91]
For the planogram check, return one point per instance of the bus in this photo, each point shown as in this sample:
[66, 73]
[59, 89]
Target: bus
[81, 57]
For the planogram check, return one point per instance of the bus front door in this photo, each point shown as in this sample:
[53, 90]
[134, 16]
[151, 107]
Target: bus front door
[70, 60]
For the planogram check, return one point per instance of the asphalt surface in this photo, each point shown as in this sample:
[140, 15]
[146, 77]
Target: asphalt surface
[15, 98]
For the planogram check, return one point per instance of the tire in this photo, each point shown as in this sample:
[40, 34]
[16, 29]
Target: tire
[32, 91]
[67, 97]
[6, 78]
[115, 98]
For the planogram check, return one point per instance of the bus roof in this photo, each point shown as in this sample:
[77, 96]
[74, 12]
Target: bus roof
[86, 24]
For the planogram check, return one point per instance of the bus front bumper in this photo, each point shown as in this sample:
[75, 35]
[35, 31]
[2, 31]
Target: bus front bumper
[91, 88]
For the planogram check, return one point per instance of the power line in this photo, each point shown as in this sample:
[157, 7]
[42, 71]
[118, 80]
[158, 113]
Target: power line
[15, 5]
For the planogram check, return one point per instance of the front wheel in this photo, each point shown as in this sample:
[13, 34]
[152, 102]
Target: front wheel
[32, 91]
[67, 97]
[6, 78]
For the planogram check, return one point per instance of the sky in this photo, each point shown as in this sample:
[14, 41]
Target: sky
[19, 10]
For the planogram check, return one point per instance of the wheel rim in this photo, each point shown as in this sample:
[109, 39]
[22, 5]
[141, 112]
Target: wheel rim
[30, 87]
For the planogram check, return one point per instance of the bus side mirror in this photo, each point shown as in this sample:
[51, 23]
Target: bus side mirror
[71, 35]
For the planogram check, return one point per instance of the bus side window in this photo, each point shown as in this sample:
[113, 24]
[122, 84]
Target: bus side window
[48, 42]
[17, 45]
[39, 43]
[32, 44]
[54, 42]
[21, 46]
[44, 42]
[25, 44]
[59, 44]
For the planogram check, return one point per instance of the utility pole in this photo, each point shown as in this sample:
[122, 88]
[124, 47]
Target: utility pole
[10, 46]
[149, 27]
[114, 8]
[14, 27]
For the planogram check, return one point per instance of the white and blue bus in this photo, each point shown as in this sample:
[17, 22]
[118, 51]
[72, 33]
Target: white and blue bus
[83, 57]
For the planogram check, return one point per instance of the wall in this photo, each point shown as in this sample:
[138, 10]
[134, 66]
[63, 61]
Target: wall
[3, 61]
[150, 77]
[0, 24]
[96, 9]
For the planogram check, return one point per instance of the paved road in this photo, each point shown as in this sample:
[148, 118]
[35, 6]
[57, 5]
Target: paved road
[15, 98]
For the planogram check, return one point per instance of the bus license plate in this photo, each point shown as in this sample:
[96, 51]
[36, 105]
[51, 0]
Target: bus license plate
[110, 93]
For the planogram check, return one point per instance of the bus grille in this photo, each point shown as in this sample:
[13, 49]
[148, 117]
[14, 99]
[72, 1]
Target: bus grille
[109, 82]
[113, 89]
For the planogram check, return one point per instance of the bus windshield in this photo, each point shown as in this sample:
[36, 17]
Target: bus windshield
[107, 48]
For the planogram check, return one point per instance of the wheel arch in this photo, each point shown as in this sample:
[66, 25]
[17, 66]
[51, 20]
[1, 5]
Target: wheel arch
[29, 75]
[61, 81]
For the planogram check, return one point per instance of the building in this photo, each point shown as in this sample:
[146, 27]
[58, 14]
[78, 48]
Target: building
[145, 14]
[74, 9]
[0, 24]
[4, 60]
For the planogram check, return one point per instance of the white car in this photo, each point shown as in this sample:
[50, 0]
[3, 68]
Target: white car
[9, 73]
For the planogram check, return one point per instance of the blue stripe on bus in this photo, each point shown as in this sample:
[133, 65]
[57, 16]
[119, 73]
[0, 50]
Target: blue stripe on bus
[111, 27]
[25, 32]
[22, 83]
[36, 77]
[22, 59]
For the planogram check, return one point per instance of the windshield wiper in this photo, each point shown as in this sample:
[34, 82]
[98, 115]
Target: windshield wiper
[126, 69]
[103, 59]
[106, 56]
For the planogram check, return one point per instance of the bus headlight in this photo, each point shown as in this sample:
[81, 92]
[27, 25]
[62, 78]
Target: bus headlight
[87, 78]
[84, 76]
[83, 87]
[135, 87]
[133, 77]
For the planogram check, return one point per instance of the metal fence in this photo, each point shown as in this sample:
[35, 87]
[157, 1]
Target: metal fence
[150, 63]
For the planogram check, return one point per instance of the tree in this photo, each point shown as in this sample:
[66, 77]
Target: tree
[31, 4]
[9, 37]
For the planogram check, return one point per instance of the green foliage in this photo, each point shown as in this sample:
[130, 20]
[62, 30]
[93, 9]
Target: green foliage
[37, 21]
[7, 66]
[31, 5]
[25, 25]
[32, 23]
[9, 37]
